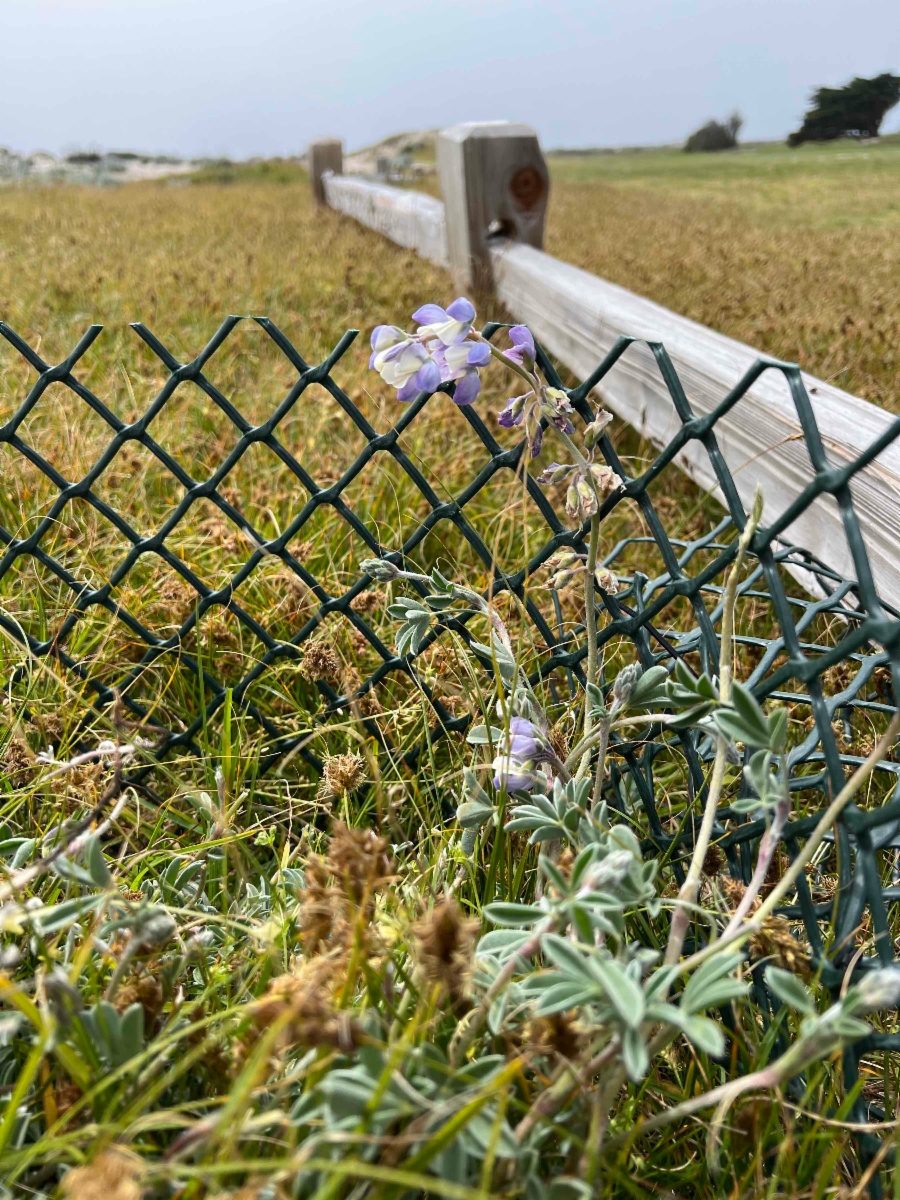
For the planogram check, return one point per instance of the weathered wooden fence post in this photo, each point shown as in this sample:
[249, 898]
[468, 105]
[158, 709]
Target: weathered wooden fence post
[495, 183]
[325, 154]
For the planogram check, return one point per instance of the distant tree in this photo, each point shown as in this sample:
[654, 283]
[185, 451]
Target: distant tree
[716, 135]
[856, 110]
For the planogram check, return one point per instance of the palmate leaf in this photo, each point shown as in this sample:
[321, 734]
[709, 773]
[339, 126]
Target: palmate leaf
[621, 989]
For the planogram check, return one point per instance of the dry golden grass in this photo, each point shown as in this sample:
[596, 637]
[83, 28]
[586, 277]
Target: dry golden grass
[796, 252]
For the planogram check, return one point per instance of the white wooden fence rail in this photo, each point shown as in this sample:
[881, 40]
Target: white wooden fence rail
[578, 317]
[411, 219]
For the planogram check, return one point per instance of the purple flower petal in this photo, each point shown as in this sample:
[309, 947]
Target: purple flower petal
[461, 309]
[507, 418]
[512, 775]
[537, 441]
[409, 391]
[429, 314]
[428, 377]
[479, 355]
[467, 389]
[520, 336]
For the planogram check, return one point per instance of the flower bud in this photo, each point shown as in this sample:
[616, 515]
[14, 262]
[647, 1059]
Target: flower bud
[563, 560]
[380, 569]
[605, 477]
[572, 500]
[626, 681]
[587, 498]
[606, 580]
[561, 579]
[594, 431]
[555, 473]
[879, 989]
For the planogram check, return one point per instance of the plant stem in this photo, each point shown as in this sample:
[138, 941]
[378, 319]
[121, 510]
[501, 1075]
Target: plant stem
[590, 624]
[764, 858]
[826, 821]
[691, 886]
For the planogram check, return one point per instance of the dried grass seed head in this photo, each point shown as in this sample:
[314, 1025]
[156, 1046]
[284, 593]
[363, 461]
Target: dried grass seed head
[341, 773]
[359, 860]
[115, 1174]
[444, 943]
[320, 661]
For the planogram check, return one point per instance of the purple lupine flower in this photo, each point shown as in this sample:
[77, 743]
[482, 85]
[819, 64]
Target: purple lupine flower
[384, 338]
[450, 325]
[462, 363]
[515, 765]
[514, 412]
[403, 363]
[522, 351]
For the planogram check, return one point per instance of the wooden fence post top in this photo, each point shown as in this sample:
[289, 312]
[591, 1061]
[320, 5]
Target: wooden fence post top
[325, 154]
[495, 183]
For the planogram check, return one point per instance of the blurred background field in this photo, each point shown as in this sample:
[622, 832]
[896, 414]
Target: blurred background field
[794, 251]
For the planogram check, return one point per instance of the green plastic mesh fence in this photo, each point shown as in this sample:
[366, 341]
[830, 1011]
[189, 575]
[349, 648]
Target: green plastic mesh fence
[831, 652]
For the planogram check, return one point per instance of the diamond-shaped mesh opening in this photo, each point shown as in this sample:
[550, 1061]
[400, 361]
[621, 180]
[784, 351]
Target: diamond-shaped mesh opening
[171, 567]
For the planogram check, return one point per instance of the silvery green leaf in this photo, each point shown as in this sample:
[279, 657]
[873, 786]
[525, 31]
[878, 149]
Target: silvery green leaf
[497, 1013]
[563, 996]
[660, 981]
[468, 841]
[709, 986]
[554, 875]
[347, 1092]
[634, 1055]
[705, 1034]
[778, 719]
[744, 703]
[96, 863]
[23, 853]
[547, 833]
[732, 726]
[131, 1031]
[567, 1189]
[473, 814]
[513, 915]
[481, 735]
[651, 688]
[623, 993]
[66, 869]
[9, 1025]
[789, 989]
[568, 959]
[849, 1028]
[581, 864]
[55, 917]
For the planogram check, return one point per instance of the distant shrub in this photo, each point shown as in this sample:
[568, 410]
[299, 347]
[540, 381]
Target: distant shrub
[716, 135]
[855, 110]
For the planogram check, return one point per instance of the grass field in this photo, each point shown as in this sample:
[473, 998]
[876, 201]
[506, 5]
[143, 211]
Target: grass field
[210, 1102]
[795, 252]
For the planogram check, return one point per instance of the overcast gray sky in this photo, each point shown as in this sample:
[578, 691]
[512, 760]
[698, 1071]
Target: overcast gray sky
[244, 77]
